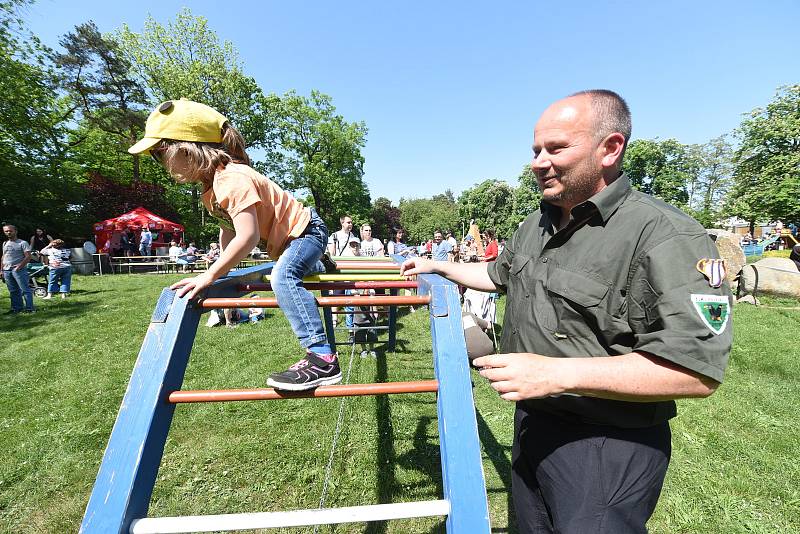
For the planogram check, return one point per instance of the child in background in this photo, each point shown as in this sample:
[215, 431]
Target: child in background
[196, 144]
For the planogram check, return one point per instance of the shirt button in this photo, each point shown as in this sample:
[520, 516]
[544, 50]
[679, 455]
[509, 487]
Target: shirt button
[544, 260]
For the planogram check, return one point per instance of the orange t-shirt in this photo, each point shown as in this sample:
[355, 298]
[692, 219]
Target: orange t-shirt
[281, 217]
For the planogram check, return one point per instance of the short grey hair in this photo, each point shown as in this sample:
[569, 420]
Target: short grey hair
[612, 114]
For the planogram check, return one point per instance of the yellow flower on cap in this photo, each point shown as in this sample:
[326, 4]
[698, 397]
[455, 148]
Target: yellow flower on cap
[181, 120]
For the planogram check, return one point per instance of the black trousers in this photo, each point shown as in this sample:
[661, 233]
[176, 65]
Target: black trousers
[579, 478]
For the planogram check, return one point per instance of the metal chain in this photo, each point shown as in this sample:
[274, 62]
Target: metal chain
[336, 432]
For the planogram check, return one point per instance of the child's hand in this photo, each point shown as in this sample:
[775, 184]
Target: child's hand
[192, 286]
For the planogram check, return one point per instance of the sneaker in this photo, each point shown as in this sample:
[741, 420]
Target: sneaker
[28, 311]
[308, 373]
[11, 312]
[48, 297]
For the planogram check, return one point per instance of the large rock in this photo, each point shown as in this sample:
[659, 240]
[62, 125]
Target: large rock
[730, 251]
[774, 276]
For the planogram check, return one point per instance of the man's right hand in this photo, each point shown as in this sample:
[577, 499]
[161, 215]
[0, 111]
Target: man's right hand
[414, 266]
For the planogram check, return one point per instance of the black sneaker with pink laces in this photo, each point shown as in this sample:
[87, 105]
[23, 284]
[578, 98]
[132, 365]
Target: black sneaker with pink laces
[308, 373]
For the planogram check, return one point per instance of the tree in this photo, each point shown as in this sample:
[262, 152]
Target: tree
[185, 59]
[421, 216]
[32, 129]
[321, 153]
[661, 168]
[709, 186]
[527, 198]
[96, 76]
[767, 162]
[383, 218]
[490, 204]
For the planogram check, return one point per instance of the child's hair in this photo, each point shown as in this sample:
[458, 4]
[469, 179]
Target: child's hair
[57, 243]
[205, 158]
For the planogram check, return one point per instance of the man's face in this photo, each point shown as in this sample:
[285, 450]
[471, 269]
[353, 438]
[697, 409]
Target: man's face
[347, 224]
[437, 237]
[366, 233]
[10, 232]
[566, 157]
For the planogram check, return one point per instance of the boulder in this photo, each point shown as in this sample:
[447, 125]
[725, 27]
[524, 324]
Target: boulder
[729, 250]
[779, 278]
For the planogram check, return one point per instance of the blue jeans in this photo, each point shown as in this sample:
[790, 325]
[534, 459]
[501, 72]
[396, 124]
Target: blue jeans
[18, 284]
[144, 250]
[301, 258]
[62, 275]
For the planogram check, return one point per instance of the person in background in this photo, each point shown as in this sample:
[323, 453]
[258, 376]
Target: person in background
[452, 240]
[398, 243]
[16, 255]
[145, 242]
[212, 254]
[490, 253]
[369, 245]
[60, 277]
[441, 249]
[39, 240]
[338, 242]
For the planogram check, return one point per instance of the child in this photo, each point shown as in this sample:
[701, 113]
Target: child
[196, 144]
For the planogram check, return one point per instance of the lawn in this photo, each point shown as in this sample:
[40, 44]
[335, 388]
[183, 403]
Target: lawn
[66, 367]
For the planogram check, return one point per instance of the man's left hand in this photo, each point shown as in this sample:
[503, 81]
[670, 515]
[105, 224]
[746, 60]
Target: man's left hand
[520, 376]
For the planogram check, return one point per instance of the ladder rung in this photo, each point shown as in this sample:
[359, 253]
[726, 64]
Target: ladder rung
[355, 300]
[388, 284]
[345, 390]
[350, 277]
[294, 518]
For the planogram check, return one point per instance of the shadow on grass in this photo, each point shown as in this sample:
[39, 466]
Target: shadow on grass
[497, 455]
[25, 324]
[423, 457]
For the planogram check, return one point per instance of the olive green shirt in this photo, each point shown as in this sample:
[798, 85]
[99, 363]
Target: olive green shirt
[624, 275]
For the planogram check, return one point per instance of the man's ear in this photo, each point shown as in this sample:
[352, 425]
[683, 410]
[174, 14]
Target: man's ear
[611, 149]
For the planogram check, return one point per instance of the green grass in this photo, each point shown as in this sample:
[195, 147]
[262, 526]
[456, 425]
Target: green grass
[66, 367]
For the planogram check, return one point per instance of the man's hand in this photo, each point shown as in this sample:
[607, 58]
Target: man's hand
[520, 376]
[192, 286]
[414, 266]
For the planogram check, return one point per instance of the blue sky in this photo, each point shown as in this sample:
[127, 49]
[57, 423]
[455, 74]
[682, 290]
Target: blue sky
[450, 91]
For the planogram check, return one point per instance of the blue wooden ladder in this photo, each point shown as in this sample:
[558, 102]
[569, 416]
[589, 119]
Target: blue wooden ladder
[121, 495]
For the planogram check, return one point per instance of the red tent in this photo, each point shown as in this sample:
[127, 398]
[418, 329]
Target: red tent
[106, 232]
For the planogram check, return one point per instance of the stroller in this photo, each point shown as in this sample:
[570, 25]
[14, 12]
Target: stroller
[36, 270]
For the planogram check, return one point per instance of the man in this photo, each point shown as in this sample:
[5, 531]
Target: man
[451, 240]
[441, 250]
[145, 242]
[16, 255]
[606, 323]
[338, 241]
[369, 245]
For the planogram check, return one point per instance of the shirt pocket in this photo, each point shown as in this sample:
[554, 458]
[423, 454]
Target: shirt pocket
[578, 299]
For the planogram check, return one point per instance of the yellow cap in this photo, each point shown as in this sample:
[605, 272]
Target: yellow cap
[181, 120]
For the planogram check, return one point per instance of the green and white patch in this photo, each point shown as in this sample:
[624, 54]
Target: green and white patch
[714, 310]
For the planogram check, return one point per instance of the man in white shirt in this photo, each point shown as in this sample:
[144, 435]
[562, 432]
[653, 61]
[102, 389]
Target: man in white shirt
[338, 241]
[369, 245]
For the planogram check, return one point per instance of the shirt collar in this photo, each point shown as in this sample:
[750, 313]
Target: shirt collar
[606, 201]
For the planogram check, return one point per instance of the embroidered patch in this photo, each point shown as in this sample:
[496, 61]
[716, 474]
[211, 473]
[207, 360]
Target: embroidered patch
[714, 310]
[714, 271]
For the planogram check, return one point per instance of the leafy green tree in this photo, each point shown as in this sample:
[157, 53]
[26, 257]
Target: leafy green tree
[421, 216]
[32, 130]
[767, 162]
[321, 153]
[526, 200]
[96, 76]
[185, 59]
[490, 204]
[661, 168]
[709, 186]
[383, 218]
